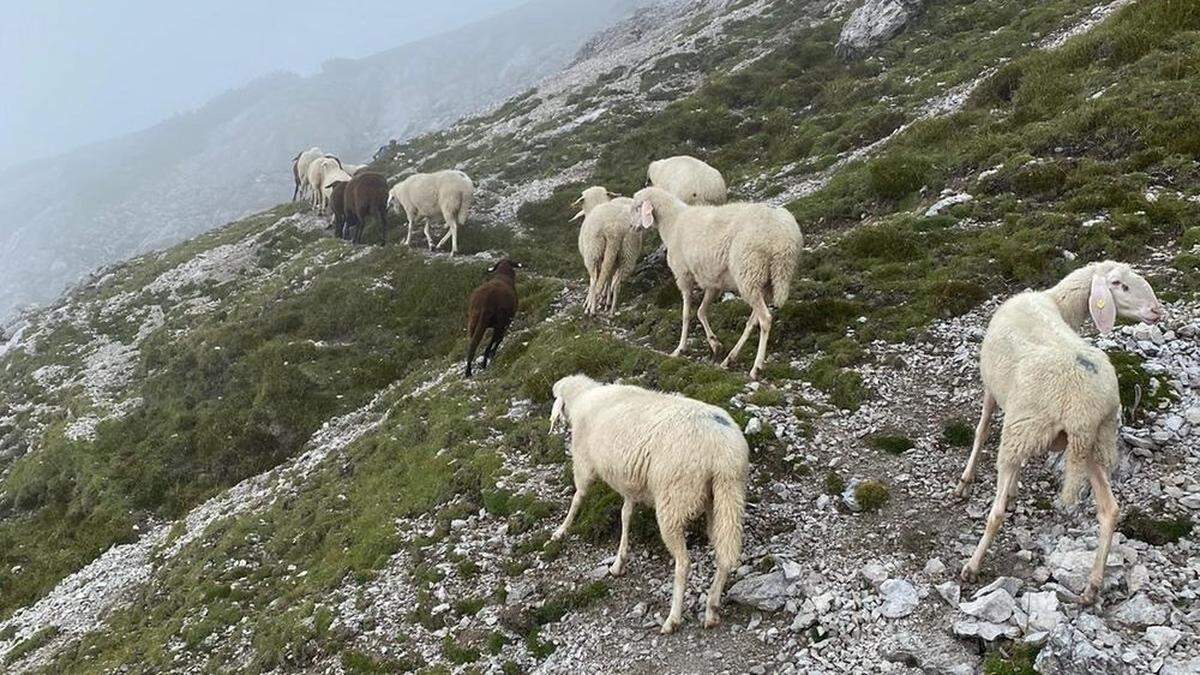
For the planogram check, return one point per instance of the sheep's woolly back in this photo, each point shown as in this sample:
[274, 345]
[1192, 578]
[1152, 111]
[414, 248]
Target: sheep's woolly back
[435, 194]
[747, 247]
[689, 179]
[658, 448]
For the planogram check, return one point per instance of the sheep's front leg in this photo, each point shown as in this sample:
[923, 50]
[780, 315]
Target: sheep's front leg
[673, 539]
[618, 566]
[702, 313]
[981, 433]
[685, 289]
[582, 481]
[412, 219]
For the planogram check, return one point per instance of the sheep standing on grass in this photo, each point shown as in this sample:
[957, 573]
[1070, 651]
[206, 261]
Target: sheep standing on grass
[689, 179]
[300, 164]
[321, 172]
[446, 194]
[1057, 391]
[680, 455]
[608, 244]
[354, 201]
[492, 305]
[751, 248]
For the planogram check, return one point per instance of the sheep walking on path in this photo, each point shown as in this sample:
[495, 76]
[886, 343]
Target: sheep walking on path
[1057, 391]
[680, 455]
[354, 201]
[300, 164]
[609, 245]
[445, 194]
[750, 248]
[492, 305]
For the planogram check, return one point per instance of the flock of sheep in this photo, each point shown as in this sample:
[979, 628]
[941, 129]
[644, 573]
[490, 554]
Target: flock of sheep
[685, 457]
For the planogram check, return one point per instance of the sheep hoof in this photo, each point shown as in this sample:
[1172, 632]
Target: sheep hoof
[558, 535]
[616, 569]
[670, 625]
[968, 573]
[675, 354]
[711, 620]
[1089, 595]
[754, 374]
[963, 490]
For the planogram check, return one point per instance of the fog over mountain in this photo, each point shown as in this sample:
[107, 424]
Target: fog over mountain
[107, 201]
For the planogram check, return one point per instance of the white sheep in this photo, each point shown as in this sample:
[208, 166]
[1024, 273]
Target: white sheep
[353, 168]
[675, 453]
[443, 193]
[300, 166]
[1057, 391]
[319, 173]
[608, 244]
[689, 179]
[750, 248]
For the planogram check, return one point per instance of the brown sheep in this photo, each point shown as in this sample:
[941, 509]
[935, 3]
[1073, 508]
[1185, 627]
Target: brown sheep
[355, 200]
[493, 304]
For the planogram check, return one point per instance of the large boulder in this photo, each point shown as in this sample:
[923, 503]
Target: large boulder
[873, 24]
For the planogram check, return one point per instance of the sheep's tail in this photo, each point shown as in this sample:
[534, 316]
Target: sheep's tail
[782, 268]
[464, 205]
[725, 531]
[1079, 457]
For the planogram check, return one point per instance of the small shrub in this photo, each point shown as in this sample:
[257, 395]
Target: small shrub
[897, 175]
[957, 433]
[1157, 531]
[1016, 659]
[893, 445]
[834, 483]
[871, 495]
[458, 654]
[845, 387]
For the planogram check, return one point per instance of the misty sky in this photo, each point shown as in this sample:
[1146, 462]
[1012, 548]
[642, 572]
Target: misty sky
[77, 71]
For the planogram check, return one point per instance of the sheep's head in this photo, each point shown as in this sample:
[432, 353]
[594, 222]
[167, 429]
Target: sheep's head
[1119, 291]
[562, 390]
[505, 267]
[641, 213]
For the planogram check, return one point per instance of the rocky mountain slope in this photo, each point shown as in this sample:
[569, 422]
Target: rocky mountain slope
[109, 201]
[255, 451]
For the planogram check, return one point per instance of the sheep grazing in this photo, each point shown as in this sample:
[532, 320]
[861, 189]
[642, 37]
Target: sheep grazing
[446, 194]
[675, 453]
[355, 200]
[608, 244]
[750, 248]
[492, 305]
[300, 166]
[1057, 391]
[689, 179]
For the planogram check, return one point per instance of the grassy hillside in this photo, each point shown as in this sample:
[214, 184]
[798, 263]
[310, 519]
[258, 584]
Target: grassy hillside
[230, 355]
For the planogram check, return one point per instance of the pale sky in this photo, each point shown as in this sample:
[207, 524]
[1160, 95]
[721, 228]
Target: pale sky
[78, 71]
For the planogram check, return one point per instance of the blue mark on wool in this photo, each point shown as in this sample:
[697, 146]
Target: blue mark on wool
[722, 420]
[1086, 364]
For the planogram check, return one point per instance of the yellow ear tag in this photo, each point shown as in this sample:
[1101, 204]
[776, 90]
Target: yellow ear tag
[1100, 303]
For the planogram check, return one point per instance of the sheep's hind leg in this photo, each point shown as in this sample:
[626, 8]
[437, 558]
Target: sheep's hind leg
[1107, 511]
[685, 289]
[981, 432]
[673, 539]
[618, 566]
[428, 236]
[702, 313]
[1006, 472]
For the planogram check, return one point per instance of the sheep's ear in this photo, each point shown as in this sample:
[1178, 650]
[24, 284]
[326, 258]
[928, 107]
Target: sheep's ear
[577, 202]
[518, 265]
[647, 215]
[613, 195]
[493, 267]
[556, 413]
[577, 216]
[1101, 305]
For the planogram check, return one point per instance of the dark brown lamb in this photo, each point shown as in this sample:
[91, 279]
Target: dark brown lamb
[356, 200]
[493, 305]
